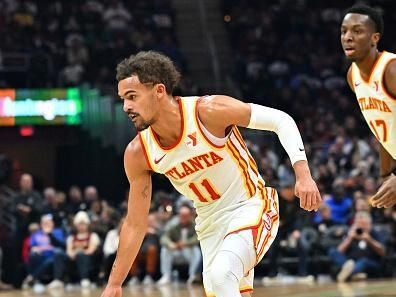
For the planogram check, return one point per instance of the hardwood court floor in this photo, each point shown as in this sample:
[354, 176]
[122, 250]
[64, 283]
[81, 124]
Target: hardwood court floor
[385, 288]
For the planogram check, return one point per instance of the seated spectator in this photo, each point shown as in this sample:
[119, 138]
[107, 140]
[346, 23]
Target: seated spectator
[54, 204]
[148, 255]
[75, 201]
[340, 204]
[361, 252]
[179, 242]
[80, 250]
[33, 228]
[44, 244]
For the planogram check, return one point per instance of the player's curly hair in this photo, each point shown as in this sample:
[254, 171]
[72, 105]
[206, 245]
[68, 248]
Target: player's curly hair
[374, 15]
[150, 67]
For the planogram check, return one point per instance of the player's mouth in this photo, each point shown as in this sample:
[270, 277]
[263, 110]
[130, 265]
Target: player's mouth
[349, 51]
[133, 117]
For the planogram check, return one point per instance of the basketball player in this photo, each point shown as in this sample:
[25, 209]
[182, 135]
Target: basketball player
[195, 142]
[372, 76]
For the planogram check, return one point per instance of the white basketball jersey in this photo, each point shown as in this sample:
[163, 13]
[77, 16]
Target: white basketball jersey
[218, 177]
[377, 105]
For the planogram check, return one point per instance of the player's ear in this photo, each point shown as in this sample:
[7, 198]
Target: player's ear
[375, 38]
[160, 90]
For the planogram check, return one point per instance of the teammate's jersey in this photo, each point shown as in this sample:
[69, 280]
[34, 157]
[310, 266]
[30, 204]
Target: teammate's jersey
[218, 174]
[377, 105]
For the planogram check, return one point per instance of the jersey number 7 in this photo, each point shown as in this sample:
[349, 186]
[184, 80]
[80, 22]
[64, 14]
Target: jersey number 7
[379, 124]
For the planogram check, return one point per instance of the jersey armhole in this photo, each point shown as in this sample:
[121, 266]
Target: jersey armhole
[352, 79]
[217, 142]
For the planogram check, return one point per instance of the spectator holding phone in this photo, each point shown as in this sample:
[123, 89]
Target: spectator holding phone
[359, 254]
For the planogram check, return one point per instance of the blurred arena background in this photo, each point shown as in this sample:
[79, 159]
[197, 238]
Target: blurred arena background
[63, 131]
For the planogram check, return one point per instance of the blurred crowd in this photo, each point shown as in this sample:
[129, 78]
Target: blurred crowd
[57, 239]
[287, 57]
[59, 44]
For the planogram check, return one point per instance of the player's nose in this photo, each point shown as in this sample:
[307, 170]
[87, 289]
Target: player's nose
[348, 36]
[128, 106]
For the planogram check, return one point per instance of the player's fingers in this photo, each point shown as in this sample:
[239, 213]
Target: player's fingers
[303, 200]
[307, 201]
[390, 203]
[318, 201]
[383, 200]
[377, 196]
[310, 201]
[297, 193]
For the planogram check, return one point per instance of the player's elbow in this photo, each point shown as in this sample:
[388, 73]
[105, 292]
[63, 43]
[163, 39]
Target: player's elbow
[285, 123]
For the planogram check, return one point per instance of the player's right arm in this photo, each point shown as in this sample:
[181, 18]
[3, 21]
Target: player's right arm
[135, 224]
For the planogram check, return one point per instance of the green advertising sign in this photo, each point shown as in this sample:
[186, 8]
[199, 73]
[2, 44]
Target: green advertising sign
[40, 107]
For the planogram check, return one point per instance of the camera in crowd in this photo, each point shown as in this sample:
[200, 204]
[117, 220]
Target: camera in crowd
[359, 231]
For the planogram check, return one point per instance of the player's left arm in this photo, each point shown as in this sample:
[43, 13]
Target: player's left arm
[219, 113]
[386, 195]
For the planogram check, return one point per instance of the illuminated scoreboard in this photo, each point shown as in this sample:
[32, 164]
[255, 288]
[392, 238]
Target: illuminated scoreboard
[40, 107]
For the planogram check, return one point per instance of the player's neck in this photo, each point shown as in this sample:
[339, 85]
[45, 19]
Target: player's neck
[168, 126]
[366, 65]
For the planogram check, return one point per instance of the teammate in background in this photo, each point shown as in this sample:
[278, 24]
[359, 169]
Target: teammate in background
[372, 76]
[195, 142]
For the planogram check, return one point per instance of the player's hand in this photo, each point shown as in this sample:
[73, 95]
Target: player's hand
[307, 190]
[386, 195]
[112, 291]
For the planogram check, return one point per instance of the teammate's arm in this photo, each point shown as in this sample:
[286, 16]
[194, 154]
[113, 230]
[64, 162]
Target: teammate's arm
[390, 78]
[386, 195]
[219, 113]
[135, 224]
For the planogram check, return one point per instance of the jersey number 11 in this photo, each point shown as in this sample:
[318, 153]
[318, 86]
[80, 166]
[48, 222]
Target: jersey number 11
[208, 187]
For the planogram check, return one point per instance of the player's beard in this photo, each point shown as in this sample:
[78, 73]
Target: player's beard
[351, 59]
[143, 125]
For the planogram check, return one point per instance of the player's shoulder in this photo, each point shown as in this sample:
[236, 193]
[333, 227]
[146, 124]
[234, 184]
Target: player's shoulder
[134, 156]
[390, 67]
[213, 103]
